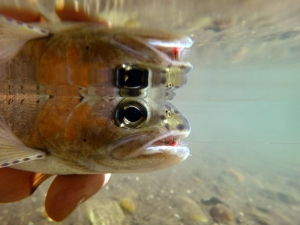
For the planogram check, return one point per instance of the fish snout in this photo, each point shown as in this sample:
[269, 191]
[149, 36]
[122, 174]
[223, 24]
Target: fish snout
[174, 122]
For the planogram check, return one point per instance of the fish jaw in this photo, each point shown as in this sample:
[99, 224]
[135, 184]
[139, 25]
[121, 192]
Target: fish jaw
[152, 151]
[170, 144]
[156, 154]
[150, 144]
[162, 153]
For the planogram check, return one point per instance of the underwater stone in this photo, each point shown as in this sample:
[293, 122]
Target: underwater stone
[221, 214]
[189, 211]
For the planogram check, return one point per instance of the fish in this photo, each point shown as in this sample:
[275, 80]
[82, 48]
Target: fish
[67, 135]
[71, 103]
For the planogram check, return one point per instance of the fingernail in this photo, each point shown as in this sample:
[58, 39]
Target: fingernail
[107, 177]
[78, 204]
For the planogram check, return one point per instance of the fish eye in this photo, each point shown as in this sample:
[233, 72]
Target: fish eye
[132, 77]
[130, 114]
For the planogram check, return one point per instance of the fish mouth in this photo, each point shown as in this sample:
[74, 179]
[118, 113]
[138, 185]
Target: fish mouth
[167, 51]
[170, 143]
[173, 49]
[150, 146]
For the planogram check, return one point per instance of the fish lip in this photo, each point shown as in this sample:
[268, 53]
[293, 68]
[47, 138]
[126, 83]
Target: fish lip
[185, 42]
[150, 148]
[153, 146]
[168, 48]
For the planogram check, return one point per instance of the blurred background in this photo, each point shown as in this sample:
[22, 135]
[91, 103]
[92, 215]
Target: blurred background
[243, 103]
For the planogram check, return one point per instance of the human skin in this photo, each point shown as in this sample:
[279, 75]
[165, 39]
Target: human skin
[65, 193]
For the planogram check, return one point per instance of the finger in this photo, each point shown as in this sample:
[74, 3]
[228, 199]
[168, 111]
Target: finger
[18, 184]
[14, 184]
[72, 11]
[67, 192]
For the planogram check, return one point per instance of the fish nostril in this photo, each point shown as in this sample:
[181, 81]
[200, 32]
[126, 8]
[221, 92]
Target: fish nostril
[162, 117]
[180, 127]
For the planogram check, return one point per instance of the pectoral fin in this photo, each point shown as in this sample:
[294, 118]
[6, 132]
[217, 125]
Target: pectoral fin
[12, 150]
[13, 35]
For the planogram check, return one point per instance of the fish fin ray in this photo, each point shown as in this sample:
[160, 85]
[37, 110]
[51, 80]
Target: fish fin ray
[14, 34]
[12, 150]
[57, 27]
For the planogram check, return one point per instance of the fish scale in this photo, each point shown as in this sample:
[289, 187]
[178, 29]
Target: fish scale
[20, 111]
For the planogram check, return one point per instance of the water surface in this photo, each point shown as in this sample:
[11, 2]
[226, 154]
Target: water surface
[243, 103]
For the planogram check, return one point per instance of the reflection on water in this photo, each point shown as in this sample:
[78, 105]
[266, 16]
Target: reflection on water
[242, 101]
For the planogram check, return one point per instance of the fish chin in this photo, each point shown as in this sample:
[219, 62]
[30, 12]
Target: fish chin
[147, 145]
[161, 154]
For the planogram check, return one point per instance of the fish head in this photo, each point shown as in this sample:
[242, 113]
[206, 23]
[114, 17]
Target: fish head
[141, 136]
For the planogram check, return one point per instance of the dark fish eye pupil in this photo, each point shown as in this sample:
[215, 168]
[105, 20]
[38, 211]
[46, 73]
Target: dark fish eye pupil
[133, 78]
[132, 114]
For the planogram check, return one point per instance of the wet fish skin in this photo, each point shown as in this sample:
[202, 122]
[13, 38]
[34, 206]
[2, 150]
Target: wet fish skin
[82, 137]
[75, 131]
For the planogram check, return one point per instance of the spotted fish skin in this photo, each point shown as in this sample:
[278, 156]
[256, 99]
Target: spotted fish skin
[59, 102]
[79, 136]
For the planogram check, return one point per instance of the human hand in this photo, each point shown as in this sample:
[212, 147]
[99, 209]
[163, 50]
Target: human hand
[65, 193]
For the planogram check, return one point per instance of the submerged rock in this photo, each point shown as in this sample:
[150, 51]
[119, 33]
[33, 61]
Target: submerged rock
[221, 214]
[236, 174]
[189, 211]
[129, 202]
[106, 212]
[212, 201]
[258, 216]
[280, 196]
[286, 198]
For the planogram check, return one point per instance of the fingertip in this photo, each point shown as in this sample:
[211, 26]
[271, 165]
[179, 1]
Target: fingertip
[67, 192]
[15, 185]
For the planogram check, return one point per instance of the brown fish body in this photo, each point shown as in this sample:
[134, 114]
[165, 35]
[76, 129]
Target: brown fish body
[83, 135]
[60, 102]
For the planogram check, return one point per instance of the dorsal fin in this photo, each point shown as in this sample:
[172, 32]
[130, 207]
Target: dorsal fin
[14, 34]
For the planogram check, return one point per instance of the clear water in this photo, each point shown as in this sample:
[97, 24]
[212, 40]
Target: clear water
[243, 103]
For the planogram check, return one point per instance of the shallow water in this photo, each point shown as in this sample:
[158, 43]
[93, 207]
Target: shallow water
[243, 103]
